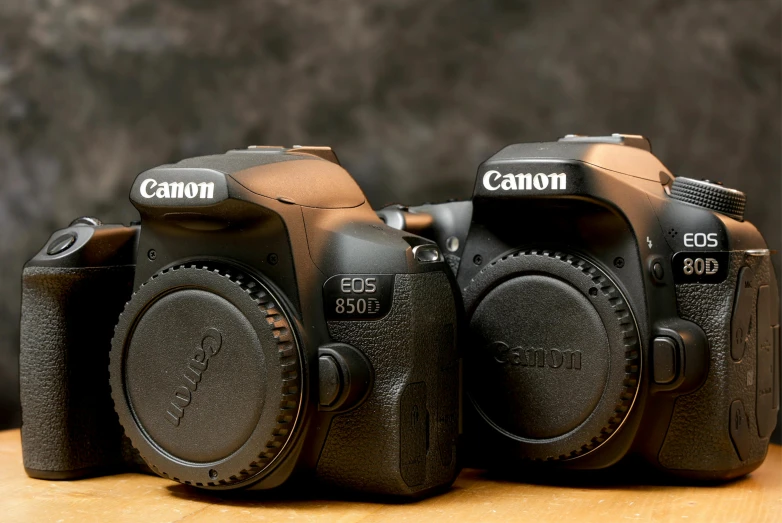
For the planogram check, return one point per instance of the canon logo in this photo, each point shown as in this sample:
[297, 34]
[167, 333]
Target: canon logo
[494, 180]
[533, 357]
[151, 188]
[194, 369]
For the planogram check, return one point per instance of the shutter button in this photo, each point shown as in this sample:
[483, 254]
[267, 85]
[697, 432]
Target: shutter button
[86, 220]
[426, 253]
[61, 244]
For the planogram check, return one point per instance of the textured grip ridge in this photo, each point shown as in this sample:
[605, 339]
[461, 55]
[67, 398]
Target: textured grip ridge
[698, 438]
[69, 428]
[402, 439]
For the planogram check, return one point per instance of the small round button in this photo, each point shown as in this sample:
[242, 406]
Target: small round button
[330, 380]
[664, 359]
[61, 244]
[86, 220]
[657, 271]
[427, 253]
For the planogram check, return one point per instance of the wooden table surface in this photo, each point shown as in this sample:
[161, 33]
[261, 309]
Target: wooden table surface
[148, 499]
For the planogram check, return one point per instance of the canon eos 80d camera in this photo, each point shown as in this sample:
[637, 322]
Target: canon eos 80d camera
[612, 309]
[260, 322]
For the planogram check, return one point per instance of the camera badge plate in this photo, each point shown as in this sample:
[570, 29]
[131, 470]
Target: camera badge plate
[350, 297]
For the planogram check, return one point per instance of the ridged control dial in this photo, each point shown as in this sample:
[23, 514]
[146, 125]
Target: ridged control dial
[710, 195]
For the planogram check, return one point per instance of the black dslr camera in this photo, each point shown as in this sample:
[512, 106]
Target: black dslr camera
[613, 310]
[259, 323]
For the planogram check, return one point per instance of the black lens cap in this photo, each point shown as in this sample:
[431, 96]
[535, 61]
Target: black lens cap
[195, 375]
[541, 347]
[553, 359]
[206, 375]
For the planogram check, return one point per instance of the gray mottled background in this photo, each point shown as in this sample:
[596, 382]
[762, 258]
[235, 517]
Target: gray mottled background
[412, 95]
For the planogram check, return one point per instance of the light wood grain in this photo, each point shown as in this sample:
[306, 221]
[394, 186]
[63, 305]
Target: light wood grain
[148, 499]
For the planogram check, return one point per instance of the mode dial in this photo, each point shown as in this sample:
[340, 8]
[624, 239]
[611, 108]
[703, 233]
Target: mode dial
[711, 195]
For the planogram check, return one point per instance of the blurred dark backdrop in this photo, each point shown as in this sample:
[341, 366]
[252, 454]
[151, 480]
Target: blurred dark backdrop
[412, 95]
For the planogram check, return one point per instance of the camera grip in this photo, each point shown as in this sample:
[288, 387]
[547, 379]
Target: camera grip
[69, 428]
[402, 440]
[714, 431]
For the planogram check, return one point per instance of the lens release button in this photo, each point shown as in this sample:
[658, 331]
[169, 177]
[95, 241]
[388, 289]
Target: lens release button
[346, 377]
[330, 380]
[664, 360]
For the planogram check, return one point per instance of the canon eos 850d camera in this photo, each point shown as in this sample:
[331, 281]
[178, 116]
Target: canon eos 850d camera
[613, 310]
[260, 323]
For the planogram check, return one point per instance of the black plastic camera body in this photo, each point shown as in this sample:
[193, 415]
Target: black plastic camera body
[613, 310]
[268, 326]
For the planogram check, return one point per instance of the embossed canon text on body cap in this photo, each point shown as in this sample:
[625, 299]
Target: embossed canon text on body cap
[535, 356]
[194, 369]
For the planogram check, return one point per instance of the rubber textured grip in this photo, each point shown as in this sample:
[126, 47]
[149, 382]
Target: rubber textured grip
[402, 440]
[698, 438]
[69, 427]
